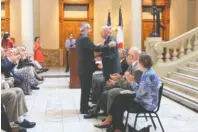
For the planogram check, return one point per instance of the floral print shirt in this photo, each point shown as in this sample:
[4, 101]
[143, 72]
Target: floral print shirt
[147, 91]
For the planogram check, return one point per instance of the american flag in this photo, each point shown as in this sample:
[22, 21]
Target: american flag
[109, 19]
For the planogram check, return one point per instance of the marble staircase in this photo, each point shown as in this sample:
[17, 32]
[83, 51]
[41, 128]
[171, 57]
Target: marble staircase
[182, 85]
[176, 62]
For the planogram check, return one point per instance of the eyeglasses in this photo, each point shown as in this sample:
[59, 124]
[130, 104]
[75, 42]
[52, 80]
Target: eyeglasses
[129, 54]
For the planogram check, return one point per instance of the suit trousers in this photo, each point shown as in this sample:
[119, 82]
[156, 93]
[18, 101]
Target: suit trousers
[121, 103]
[86, 83]
[102, 103]
[67, 60]
[14, 101]
[5, 125]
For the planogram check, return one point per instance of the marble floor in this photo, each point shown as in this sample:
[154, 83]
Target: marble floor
[55, 108]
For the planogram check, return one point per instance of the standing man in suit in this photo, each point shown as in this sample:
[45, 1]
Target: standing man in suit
[85, 52]
[69, 43]
[110, 59]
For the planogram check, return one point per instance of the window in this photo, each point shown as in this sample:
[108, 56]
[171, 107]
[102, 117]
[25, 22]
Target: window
[75, 11]
[2, 10]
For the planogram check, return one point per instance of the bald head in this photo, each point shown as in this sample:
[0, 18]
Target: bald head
[106, 31]
[135, 52]
[133, 55]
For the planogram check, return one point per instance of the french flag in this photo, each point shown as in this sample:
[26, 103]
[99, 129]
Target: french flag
[120, 34]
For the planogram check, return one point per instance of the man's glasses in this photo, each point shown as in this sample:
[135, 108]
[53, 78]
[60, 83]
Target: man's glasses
[129, 54]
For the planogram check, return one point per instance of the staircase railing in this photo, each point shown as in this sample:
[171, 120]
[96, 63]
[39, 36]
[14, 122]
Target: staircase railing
[171, 54]
[178, 47]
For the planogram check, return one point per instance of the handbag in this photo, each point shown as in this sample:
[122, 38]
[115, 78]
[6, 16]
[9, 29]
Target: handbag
[145, 129]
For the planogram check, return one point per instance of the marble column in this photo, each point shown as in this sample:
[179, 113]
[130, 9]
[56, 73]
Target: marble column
[27, 32]
[136, 23]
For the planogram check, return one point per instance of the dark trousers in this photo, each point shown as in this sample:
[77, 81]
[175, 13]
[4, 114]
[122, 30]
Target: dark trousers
[122, 103]
[86, 82]
[5, 125]
[67, 60]
[102, 103]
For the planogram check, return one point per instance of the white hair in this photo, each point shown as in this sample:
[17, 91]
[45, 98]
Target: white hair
[84, 26]
[106, 28]
[135, 51]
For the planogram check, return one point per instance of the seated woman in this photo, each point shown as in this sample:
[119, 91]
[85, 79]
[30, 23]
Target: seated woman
[25, 62]
[30, 60]
[145, 97]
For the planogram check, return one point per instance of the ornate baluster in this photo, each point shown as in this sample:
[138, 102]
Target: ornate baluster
[174, 54]
[196, 42]
[167, 56]
[181, 54]
[189, 47]
[159, 51]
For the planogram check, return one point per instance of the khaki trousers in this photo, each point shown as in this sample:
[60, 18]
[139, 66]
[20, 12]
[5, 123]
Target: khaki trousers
[14, 101]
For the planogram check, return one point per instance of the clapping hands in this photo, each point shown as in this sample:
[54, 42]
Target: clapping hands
[129, 77]
[115, 77]
[110, 83]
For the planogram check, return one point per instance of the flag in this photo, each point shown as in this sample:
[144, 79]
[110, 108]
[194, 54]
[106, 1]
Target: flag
[109, 19]
[120, 34]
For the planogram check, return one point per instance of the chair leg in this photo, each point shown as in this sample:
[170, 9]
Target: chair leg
[152, 120]
[160, 122]
[126, 121]
[135, 120]
[145, 116]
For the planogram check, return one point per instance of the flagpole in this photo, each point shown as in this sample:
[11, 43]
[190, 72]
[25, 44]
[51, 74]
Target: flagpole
[120, 3]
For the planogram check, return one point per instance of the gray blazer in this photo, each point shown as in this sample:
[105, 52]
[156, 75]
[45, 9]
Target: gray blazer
[134, 70]
[123, 85]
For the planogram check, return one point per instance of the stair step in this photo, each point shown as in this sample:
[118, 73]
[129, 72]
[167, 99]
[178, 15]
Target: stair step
[184, 78]
[185, 75]
[181, 87]
[188, 71]
[193, 65]
[181, 98]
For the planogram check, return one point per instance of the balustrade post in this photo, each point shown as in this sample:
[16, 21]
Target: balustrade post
[189, 47]
[159, 51]
[167, 56]
[181, 54]
[175, 54]
[196, 42]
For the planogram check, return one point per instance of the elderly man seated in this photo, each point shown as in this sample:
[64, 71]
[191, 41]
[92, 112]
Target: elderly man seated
[14, 101]
[24, 76]
[118, 82]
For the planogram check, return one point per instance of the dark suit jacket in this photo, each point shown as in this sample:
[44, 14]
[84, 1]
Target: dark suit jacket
[6, 67]
[124, 66]
[110, 59]
[85, 54]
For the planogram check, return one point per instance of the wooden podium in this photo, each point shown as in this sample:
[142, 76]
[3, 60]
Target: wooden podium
[74, 79]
